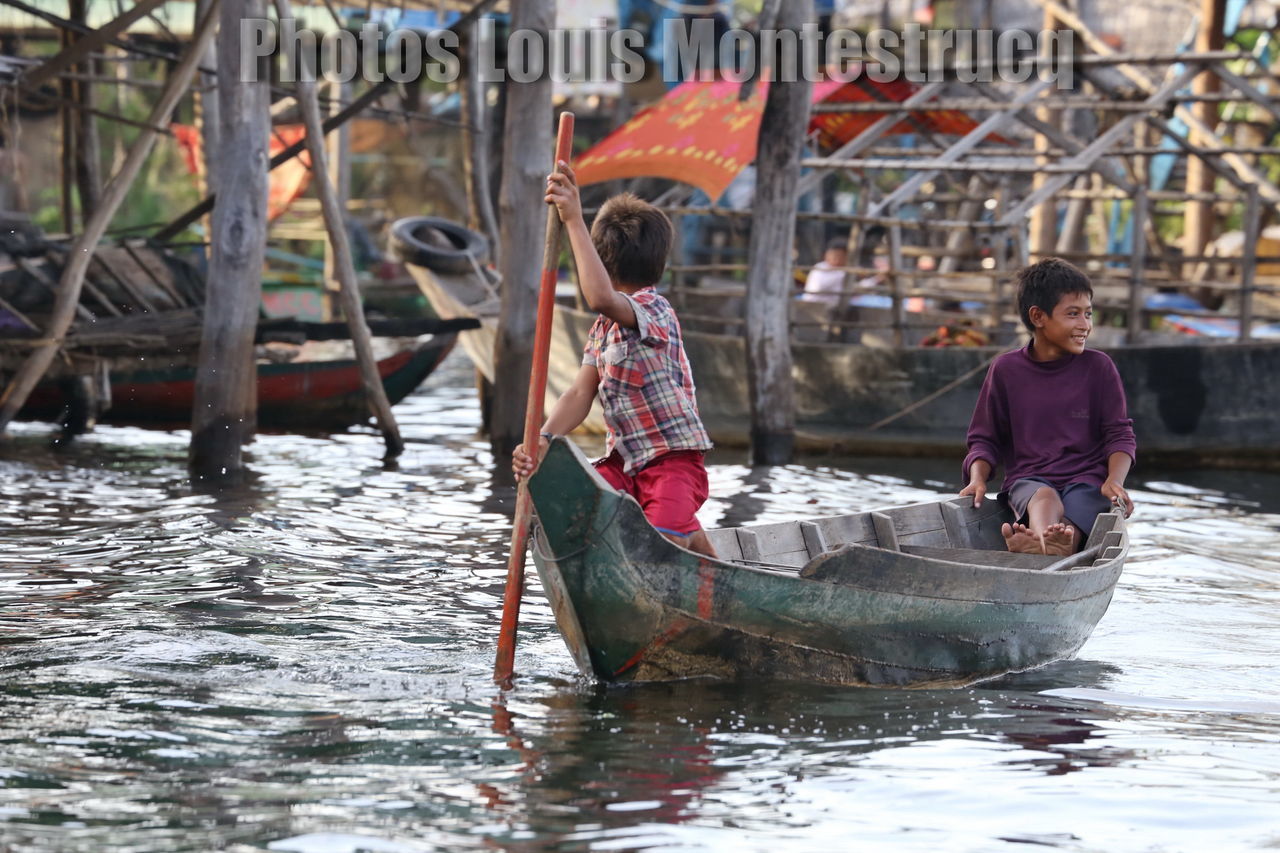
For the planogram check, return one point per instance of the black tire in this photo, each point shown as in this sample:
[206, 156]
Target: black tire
[452, 250]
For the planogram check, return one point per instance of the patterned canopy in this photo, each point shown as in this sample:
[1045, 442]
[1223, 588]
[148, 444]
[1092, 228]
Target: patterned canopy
[701, 134]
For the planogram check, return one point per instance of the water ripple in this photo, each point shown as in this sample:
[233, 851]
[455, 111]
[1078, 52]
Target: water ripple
[304, 665]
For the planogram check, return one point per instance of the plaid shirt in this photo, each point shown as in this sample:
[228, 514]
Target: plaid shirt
[646, 386]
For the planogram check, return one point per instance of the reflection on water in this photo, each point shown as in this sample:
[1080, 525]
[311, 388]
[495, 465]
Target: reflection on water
[304, 665]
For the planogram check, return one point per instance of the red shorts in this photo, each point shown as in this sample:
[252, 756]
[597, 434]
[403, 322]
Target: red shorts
[670, 489]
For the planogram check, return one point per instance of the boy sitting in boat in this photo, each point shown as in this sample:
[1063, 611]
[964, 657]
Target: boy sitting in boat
[1055, 416]
[635, 361]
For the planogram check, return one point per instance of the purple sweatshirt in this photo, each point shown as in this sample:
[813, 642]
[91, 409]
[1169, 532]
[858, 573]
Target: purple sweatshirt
[1057, 420]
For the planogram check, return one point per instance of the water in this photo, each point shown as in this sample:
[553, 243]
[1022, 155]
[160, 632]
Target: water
[305, 666]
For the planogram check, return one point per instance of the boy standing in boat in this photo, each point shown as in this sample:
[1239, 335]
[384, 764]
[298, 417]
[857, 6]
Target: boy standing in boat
[635, 362]
[1055, 416]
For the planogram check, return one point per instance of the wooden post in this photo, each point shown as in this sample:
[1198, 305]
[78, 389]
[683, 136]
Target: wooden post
[1138, 264]
[677, 253]
[1072, 235]
[1197, 224]
[344, 266]
[1044, 216]
[896, 278]
[224, 413]
[87, 146]
[476, 142]
[524, 181]
[68, 294]
[773, 227]
[1000, 257]
[959, 239]
[67, 136]
[504, 662]
[206, 119]
[1021, 248]
[338, 174]
[1252, 225]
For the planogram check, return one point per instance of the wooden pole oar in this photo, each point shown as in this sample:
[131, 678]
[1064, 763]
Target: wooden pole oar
[503, 667]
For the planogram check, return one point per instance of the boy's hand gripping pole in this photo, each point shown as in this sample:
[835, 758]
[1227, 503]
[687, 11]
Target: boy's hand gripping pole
[503, 667]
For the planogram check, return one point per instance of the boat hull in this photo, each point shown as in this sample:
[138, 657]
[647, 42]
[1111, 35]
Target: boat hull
[642, 609]
[312, 395]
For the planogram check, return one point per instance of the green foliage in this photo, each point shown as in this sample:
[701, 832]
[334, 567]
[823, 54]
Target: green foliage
[163, 188]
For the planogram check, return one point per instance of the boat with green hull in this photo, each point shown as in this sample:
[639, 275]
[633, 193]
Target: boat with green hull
[921, 595]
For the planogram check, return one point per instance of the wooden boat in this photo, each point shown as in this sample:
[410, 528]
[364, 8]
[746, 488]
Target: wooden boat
[319, 390]
[921, 595]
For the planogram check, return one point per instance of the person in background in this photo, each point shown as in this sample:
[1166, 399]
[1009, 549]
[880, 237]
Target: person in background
[825, 281]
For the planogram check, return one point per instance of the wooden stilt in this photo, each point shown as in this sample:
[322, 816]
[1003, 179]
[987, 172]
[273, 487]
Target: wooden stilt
[1198, 217]
[344, 266]
[958, 240]
[1072, 234]
[896, 262]
[476, 143]
[1000, 257]
[769, 382]
[1044, 216]
[67, 136]
[1252, 225]
[224, 413]
[207, 122]
[87, 147]
[524, 179]
[1138, 264]
[338, 159]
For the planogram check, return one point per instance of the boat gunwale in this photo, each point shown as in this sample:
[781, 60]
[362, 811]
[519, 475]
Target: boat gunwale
[792, 573]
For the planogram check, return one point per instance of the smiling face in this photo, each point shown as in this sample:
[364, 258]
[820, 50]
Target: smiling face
[1065, 330]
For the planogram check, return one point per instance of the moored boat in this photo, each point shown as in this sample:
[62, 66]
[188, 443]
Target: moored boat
[922, 595]
[319, 390]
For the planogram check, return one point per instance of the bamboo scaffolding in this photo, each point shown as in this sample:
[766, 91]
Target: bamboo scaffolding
[73, 275]
[1058, 102]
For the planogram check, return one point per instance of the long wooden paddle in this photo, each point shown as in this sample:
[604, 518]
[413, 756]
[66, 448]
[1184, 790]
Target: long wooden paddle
[503, 666]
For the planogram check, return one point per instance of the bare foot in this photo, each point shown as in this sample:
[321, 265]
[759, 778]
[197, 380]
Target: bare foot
[1020, 539]
[1059, 539]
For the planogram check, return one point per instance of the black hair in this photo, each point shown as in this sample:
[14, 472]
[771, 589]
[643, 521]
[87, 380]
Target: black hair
[1042, 284]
